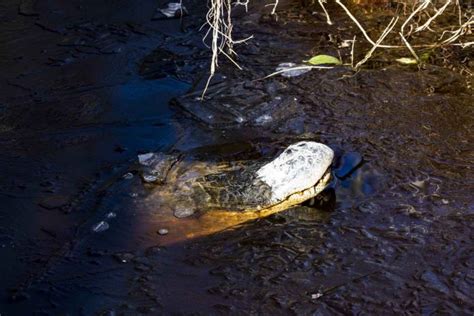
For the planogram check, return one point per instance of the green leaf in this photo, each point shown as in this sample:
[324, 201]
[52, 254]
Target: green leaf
[407, 61]
[425, 57]
[324, 60]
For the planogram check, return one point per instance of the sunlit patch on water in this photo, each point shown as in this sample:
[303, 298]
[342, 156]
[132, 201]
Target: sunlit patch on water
[164, 200]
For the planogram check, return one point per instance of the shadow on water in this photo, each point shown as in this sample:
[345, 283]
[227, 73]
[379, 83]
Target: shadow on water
[51, 231]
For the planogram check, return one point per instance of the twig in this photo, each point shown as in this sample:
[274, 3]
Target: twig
[219, 22]
[367, 37]
[275, 4]
[438, 13]
[328, 19]
[352, 51]
[412, 51]
[421, 7]
[387, 30]
[295, 68]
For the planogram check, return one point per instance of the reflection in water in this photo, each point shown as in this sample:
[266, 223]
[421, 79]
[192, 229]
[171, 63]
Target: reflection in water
[209, 217]
[212, 222]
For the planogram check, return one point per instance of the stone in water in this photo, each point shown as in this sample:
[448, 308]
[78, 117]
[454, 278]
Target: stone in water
[163, 231]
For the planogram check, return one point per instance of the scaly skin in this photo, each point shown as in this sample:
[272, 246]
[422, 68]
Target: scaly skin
[234, 190]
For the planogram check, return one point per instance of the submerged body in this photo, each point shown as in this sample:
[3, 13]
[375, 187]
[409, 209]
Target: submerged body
[256, 188]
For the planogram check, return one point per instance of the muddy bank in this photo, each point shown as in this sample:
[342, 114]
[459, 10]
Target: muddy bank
[90, 90]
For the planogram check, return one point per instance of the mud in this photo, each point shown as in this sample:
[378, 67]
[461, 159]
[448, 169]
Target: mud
[87, 86]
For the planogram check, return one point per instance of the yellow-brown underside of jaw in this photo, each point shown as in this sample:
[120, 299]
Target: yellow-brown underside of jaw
[292, 200]
[219, 220]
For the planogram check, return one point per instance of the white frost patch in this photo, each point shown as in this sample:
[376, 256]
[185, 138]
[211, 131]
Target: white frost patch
[299, 167]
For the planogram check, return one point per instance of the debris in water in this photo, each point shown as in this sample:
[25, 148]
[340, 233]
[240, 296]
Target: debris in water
[315, 296]
[407, 61]
[288, 71]
[100, 227]
[163, 231]
[128, 176]
[149, 178]
[240, 119]
[263, 119]
[173, 10]
[111, 215]
[156, 166]
[418, 183]
[346, 43]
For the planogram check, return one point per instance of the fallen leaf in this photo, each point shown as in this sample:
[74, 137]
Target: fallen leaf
[407, 61]
[324, 60]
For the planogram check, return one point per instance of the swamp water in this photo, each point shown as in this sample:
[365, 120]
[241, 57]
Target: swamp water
[398, 235]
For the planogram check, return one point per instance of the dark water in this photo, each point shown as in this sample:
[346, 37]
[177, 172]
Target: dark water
[86, 87]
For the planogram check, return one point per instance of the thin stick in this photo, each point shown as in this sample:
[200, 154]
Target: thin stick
[274, 5]
[367, 37]
[219, 21]
[328, 19]
[387, 30]
[438, 13]
[412, 51]
[295, 68]
[232, 60]
[352, 51]
[422, 6]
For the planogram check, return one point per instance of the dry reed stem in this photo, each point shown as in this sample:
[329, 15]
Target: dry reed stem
[352, 51]
[384, 34]
[328, 18]
[431, 19]
[219, 22]
[412, 51]
[295, 68]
